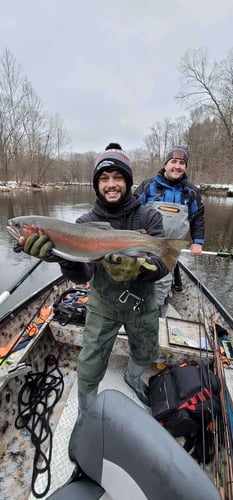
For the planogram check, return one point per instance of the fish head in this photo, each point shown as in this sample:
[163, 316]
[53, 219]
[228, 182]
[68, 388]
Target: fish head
[20, 227]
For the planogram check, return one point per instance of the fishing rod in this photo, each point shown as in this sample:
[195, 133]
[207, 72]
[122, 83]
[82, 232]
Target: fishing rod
[207, 252]
[6, 294]
[225, 420]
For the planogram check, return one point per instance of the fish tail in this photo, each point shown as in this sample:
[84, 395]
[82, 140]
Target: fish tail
[171, 255]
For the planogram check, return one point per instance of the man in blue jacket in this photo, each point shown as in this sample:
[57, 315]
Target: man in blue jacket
[179, 202]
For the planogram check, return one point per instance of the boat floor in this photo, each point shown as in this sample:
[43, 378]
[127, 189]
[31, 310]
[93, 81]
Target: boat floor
[61, 466]
[16, 449]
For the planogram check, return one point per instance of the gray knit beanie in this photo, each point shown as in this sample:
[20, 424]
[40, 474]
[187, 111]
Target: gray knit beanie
[112, 159]
[179, 153]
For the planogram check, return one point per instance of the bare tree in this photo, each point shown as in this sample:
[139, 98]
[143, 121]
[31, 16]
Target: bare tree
[159, 141]
[164, 135]
[12, 96]
[52, 141]
[87, 166]
[30, 140]
[208, 86]
[33, 122]
[45, 137]
[178, 133]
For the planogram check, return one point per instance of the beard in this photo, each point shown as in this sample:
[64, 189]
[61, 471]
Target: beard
[113, 202]
[114, 205]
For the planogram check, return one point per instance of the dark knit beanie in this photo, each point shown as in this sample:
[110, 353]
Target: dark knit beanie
[112, 159]
[179, 153]
[113, 145]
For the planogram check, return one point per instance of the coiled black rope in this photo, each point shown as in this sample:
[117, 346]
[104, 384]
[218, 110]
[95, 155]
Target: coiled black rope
[36, 401]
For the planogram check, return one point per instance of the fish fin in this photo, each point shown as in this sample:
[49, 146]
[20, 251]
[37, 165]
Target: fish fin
[72, 257]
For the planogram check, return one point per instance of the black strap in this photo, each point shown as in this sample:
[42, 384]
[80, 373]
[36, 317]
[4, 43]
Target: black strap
[177, 276]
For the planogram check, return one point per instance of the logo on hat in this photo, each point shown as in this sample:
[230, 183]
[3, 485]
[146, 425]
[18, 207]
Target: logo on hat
[178, 154]
[104, 163]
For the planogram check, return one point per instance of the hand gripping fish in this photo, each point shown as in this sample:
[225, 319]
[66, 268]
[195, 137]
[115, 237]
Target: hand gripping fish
[96, 241]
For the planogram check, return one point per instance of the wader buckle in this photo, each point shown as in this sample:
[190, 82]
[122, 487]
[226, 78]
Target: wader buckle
[126, 294]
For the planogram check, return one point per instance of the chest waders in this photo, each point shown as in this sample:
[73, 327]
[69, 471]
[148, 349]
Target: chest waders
[110, 305]
[85, 399]
[176, 226]
[175, 218]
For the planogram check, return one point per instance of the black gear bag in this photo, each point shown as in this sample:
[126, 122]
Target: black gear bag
[70, 307]
[182, 397]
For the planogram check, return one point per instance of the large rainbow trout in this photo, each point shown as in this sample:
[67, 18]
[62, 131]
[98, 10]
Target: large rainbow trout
[98, 242]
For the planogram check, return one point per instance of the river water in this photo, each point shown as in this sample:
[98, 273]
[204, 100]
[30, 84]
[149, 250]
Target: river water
[68, 204]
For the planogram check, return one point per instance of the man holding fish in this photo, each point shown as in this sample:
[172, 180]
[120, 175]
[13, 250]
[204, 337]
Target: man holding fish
[121, 279]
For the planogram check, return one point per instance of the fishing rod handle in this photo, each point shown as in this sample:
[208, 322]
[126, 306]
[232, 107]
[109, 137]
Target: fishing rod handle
[4, 296]
[207, 252]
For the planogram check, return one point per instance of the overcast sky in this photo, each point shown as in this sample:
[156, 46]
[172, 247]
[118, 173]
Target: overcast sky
[109, 67]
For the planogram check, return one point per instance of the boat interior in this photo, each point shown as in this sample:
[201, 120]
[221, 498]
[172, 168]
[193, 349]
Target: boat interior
[184, 335]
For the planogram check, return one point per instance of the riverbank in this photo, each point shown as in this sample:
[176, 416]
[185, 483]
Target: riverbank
[221, 190]
[12, 187]
[217, 190]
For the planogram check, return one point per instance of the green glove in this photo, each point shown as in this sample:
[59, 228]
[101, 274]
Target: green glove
[40, 247]
[122, 267]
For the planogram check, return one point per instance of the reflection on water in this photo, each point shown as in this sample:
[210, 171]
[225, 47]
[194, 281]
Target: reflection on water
[68, 204]
[219, 224]
[65, 204]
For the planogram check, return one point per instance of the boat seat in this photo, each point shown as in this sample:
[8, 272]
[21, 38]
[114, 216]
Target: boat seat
[80, 489]
[128, 455]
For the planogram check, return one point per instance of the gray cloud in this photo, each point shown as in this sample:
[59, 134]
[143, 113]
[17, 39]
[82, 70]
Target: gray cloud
[109, 68]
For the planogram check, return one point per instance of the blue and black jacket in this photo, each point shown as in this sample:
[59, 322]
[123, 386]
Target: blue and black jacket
[158, 188]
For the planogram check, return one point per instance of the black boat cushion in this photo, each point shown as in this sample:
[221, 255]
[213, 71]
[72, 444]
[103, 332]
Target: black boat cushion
[85, 489]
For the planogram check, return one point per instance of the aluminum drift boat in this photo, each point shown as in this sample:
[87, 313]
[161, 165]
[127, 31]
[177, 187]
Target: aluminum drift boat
[193, 311]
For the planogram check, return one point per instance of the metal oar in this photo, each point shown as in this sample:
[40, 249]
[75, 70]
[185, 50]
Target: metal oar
[6, 294]
[207, 252]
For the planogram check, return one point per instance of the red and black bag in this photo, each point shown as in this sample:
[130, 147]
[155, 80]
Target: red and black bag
[183, 397]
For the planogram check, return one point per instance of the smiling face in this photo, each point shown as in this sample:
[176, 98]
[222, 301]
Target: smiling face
[174, 169]
[112, 186]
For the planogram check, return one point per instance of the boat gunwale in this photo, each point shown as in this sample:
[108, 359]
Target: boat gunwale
[12, 313]
[220, 308]
[59, 279]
